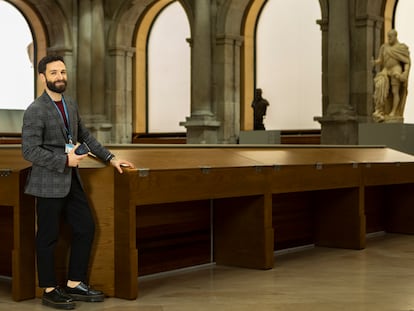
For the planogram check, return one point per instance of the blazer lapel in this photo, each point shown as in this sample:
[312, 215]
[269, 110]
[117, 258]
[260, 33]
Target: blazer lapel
[54, 111]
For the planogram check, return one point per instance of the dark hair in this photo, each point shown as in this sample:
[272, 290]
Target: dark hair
[41, 67]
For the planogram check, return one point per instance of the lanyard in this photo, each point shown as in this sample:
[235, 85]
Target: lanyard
[65, 109]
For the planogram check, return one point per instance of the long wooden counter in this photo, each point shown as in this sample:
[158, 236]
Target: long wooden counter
[17, 224]
[233, 205]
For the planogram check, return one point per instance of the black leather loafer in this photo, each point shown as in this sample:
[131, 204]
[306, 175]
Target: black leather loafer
[83, 292]
[58, 299]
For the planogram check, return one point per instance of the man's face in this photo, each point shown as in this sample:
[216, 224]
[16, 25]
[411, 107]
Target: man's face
[55, 77]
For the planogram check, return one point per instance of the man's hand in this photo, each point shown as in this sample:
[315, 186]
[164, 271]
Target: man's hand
[74, 159]
[119, 164]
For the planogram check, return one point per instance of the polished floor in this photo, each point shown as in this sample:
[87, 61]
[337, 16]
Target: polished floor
[380, 278]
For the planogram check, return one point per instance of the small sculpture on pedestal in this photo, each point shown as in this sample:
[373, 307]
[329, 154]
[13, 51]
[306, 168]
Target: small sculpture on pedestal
[259, 106]
[391, 82]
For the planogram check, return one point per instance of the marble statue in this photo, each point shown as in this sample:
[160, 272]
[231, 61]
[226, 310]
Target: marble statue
[259, 106]
[390, 93]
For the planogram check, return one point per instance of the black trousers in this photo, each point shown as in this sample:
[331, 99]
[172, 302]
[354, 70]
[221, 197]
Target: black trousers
[75, 210]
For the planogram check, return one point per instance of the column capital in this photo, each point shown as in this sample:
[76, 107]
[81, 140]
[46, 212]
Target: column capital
[223, 39]
[368, 20]
[128, 51]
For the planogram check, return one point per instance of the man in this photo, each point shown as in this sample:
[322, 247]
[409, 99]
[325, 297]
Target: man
[52, 130]
[394, 57]
[259, 106]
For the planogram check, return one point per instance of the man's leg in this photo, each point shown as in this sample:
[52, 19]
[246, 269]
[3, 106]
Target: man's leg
[48, 223]
[80, 218]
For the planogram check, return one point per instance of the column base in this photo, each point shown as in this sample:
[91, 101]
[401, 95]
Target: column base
[201, 129]
[338, 130]
[99, 127]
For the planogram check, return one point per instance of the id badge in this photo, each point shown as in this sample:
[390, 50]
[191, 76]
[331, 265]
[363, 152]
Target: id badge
[69, 147]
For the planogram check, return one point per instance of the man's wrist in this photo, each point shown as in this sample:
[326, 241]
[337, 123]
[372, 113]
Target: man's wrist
[111, 157]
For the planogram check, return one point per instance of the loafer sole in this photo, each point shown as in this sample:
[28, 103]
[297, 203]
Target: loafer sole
[88, 298]
[59, 305]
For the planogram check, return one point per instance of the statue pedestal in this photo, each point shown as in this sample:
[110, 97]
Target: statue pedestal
[398, 136]
[259, 137]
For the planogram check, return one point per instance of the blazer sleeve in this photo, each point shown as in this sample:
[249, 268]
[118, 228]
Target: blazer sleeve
[82, 134]
[43, 142]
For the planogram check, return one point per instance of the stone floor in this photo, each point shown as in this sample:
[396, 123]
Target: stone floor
[380, 278]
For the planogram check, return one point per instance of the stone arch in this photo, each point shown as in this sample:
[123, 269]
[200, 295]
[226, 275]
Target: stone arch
[39, 34]
[129, 34]
[227, 22]
[324, 9]
[389, 9]
[249, 24]
[141, 57]
[247, 63]
[51, 34]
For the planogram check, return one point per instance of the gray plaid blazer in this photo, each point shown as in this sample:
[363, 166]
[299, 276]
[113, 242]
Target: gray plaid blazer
[44, 137]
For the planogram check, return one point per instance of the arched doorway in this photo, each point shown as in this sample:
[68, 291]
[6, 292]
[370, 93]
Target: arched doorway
[149, 72]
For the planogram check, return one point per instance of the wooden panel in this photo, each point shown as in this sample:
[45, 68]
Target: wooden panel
[306, 178]
[184, 158]
[173, 235]
[293, 219]
[10, 140]
[399, 210]
[18, 250]
[302, 155]
[23, 255]
[159, 138]
[196, 184]
[9, 188]
[99, 188]
[375, 206]
[373, 155]
[126, 254]
[6, 233]
[292, 156]
[243, 233]
[388, 173]
[340, 218]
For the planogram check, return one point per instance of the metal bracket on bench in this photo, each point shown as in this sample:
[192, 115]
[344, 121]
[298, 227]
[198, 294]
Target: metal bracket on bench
[318, 165]
[258, 169]
[5, 172]
[205, 169]
[143, 172]
[276, 167]
[354, 164]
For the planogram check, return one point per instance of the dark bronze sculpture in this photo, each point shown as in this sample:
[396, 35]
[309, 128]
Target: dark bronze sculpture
[259, 106]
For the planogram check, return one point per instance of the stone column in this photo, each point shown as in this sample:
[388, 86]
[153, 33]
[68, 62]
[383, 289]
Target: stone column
[365, 48]
[91, 68]
[227, 69]
[120, 94]
[339, 122]
[202, 125]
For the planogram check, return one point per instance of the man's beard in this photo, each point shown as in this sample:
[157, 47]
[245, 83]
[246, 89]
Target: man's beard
[54, 87]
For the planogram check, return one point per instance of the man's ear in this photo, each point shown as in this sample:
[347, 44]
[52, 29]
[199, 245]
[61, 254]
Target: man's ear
[42, 77]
